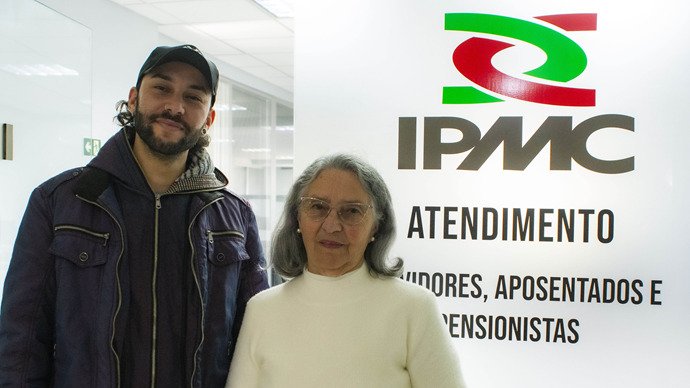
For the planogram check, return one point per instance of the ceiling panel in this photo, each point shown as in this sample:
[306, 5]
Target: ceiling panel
[205, 11]
[241, 29]
[263, 45]
[207, 43]
[265, 72]
[239, 32]
[241, 60]
[280, 60]
[160, 16]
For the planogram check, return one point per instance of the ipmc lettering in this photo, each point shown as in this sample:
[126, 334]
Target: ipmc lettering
[566, 143]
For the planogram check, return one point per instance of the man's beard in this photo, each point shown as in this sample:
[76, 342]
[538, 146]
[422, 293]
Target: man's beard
[143, 125]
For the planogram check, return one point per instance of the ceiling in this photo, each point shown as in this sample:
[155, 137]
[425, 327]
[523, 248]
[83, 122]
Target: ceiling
[240, 33]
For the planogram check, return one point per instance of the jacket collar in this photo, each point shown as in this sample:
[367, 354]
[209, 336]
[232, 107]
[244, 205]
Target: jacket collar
[117, 159]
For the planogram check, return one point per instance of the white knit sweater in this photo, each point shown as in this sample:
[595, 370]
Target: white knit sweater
[353, 331]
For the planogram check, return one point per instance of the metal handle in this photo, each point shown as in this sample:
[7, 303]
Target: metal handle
[7, 141]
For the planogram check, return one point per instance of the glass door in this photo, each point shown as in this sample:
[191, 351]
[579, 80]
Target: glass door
[45, 106]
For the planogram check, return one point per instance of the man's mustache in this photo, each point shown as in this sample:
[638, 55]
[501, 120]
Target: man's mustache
[169, 116]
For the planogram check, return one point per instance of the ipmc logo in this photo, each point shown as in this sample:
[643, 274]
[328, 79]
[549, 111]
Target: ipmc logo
[567, 141]
[565, 59]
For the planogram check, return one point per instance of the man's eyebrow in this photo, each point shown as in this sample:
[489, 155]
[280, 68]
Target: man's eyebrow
[163, 76]
[200, 88]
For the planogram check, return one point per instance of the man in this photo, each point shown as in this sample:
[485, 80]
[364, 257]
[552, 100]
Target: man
[135, 270]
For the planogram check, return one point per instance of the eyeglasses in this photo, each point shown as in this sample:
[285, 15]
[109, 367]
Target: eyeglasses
[349, 213]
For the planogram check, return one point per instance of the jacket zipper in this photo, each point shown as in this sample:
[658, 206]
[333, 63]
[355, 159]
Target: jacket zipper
[198, 287]
[196, 280]
[211, 233]
[154, 329]
[119, 287]
[104, 236]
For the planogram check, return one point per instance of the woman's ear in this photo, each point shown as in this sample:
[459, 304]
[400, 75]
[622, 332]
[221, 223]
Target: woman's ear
[374, 230]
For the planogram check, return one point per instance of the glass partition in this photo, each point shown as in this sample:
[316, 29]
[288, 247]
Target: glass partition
[45, 76]
[252, 143]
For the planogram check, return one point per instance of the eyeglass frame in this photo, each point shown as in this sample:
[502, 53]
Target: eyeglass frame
[340, 216]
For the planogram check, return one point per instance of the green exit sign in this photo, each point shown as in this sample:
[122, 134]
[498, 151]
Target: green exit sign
[91, 146]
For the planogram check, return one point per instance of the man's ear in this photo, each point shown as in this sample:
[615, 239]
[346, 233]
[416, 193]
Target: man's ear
[210, 118]
[132, 100]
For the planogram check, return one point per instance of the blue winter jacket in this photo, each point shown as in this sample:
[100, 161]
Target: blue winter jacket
[65, 291]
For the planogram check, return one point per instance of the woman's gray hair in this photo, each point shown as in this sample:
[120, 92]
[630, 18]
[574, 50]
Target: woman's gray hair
[288, 255]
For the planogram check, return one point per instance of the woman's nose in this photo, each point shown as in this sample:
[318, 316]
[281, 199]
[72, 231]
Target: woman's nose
[332, 223]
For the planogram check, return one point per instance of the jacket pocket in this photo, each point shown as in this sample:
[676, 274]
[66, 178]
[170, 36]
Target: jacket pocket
[84, 248]
[226, 247]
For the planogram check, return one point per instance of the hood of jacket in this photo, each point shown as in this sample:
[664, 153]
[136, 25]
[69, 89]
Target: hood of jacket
[116, 157]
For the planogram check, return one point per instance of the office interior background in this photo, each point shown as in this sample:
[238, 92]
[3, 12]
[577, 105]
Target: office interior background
[65, 64]
[637, 57]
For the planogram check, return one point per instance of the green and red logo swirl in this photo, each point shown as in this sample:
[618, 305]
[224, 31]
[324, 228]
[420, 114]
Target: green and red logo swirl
[565, 59]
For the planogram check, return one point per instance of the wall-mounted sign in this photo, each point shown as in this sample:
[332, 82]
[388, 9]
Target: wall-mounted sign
[536, 156]
[91, 146]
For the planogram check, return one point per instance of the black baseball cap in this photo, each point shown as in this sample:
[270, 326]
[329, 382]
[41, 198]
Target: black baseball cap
[186, 53]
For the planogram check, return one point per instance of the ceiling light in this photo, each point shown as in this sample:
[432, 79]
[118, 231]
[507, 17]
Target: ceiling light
[39, 69]
[279, 8]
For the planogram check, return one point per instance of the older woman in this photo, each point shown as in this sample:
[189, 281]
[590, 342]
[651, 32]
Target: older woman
[345, 319]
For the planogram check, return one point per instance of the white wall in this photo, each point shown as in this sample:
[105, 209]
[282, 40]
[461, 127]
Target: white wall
[394, 60]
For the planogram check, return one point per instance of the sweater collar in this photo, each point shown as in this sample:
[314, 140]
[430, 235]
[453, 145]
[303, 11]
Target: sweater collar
[347, 288]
